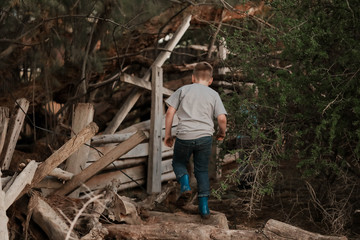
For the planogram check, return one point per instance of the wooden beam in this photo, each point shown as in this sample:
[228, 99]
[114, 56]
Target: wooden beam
[4, 121]
[135, 94]
[141, 150]
[155, 143]
[82, 116]
[119, 137]
[24, 178]
[101, 180]
[97, 166]
[4, 233]
[15, 126]
[139, 82]
[145, 125]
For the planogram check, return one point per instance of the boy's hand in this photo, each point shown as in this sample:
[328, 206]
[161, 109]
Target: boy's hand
[169, 141]
[220, 136]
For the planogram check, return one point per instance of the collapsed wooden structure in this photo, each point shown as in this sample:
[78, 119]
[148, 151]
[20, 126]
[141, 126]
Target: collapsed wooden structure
[92, 169]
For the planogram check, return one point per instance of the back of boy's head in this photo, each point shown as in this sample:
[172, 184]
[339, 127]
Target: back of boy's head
[203, 71]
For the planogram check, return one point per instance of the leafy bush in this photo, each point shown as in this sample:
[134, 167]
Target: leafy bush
[304, 58]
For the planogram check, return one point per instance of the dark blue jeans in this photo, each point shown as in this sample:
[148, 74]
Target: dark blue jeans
[201, 149]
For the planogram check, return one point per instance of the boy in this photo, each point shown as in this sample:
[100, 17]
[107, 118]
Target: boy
[196, 106]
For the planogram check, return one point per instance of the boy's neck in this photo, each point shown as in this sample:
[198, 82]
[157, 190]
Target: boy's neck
[203, 82]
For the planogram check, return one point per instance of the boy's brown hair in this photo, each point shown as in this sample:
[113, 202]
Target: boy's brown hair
[203, 70]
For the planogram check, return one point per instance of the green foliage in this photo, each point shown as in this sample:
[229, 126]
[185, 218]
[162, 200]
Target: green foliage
[305, 62]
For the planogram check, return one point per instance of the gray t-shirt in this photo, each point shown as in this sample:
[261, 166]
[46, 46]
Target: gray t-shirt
[196, 106]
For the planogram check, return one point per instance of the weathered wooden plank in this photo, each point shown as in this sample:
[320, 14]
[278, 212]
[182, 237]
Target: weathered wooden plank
[141, 150]
[119, 137]
[139, 82]
[97, 166]
[159, 61]
[4, 122]
[82, 116]
[139, 172]
[4, 234]
[155, 142]
[24, 178]
[15, 125]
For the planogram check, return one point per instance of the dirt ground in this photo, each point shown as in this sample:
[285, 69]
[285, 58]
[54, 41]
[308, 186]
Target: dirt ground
[289, 204]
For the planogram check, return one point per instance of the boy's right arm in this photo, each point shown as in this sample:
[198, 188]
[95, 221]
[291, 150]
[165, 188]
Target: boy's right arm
[222, 127]
[169, 141]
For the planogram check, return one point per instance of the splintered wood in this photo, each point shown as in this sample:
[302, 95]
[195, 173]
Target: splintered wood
[15, 124]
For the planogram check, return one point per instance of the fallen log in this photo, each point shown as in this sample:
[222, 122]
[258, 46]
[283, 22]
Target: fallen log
[4, 121]
[4, 234]
[62, 154]
[97, 166]
[49, 220]
[180, 231]
[276, 230]
[15, 125]
[24, 178]
[217, 219]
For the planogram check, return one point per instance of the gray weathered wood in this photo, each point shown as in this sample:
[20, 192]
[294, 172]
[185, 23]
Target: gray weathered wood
[15, 125]
[4, 121]
[119, 137]
[82, 116]
[155, 142]
[159, 61]
[4, 234]
[24, 178]
[141, 150]
[97, 166]
[102, 180]
[139, 82]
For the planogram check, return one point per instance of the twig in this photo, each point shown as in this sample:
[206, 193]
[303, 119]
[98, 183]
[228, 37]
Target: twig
[93, 199]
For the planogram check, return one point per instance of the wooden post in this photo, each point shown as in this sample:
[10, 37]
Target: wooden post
[24, 178]
[15, 126]
[4, 234]
[155, 143]
[4, 121]
[100, 164]
[136, 93]
[82, 116]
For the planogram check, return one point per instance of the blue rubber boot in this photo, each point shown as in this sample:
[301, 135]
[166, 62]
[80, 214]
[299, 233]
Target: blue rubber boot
[185, 191]
[203, 207]
[184, 182]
